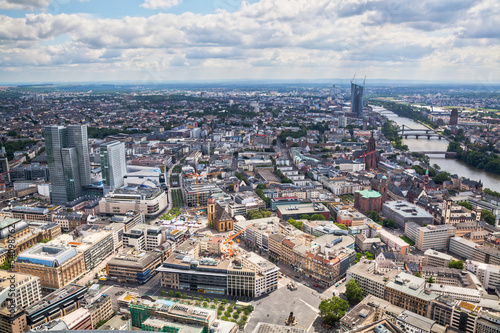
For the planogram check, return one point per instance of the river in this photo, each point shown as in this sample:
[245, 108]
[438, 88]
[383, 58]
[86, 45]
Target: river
[454, 166]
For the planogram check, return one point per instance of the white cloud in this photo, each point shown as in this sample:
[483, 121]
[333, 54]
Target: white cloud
[267, 39]
[24, 4]
[163, 4]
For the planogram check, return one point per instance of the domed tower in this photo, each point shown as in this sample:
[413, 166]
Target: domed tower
[211, 208]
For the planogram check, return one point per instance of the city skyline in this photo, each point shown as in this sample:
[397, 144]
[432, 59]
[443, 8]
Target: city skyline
[155, 41]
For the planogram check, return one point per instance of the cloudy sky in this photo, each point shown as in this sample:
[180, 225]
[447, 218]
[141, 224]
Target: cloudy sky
[191, 40]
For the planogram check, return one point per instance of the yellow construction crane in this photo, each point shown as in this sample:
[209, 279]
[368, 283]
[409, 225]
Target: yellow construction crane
[230, 239]
[196, 176]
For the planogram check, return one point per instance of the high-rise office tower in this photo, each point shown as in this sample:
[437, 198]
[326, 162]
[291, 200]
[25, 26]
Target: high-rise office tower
[113, 165]
[342, 120]
[4, 170]
[454, 117]
[357, 99]
[69, 162]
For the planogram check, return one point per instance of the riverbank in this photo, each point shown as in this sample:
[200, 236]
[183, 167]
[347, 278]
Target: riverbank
[453, 166]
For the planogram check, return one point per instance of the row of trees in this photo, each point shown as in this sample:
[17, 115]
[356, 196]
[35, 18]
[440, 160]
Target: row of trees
[477, 157]
[258, 214]
[389, 223]
[408, 111]
[390, 131]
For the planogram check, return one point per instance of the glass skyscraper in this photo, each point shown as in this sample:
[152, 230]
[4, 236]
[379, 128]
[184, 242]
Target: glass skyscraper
[69, 162]
[357, 99]
[113, 165]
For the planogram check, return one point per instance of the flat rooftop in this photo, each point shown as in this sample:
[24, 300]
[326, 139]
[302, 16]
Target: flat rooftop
[305, 208]
[407, 209]
[47, 255]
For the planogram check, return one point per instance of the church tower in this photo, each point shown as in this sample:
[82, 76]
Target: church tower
[211, 208]
[426, 179]
[447, 211]
[383, 189]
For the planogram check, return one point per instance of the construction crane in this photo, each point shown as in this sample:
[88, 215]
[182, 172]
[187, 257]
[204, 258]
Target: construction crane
[230, 239]
[196, 176]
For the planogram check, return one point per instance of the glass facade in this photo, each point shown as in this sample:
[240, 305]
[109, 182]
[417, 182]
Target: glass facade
[69, 162]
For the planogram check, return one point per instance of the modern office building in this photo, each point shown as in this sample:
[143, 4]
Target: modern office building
[69, 162]
[144, 237]
[436, 237]
[113, 165]
[454, 117]
[403, 212]
[357, 99]
[56, 266]
[462, 247]
[489, 275]
[295, 211]
[27, 288]
[134, 266]
[55, 305]
[243, 276]
[4, 171]
[437, 259]
[152, 201]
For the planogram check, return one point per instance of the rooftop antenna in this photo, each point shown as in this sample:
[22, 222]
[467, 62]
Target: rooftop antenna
[353, 78]
[364, 81]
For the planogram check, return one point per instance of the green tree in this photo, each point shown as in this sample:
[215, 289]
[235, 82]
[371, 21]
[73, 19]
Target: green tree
[358, 256]
[488, 216]
[296, 224]
[374, 216]
[369, 256]
[417, 274]
[430, 279]
[170, 293]
[341, 226]
[458, 264]
[441, 178]
[304, 217]
[317, 217]
[466, 205]
[333, 309]
[353, 292]
[178, 294]
[389, 223]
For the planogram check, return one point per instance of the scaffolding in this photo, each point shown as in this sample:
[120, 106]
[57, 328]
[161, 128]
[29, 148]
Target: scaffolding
[139, 314]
